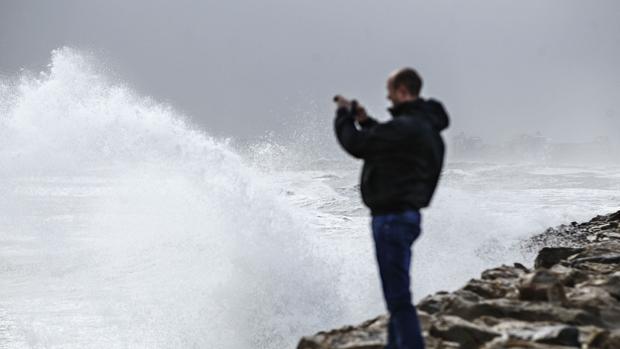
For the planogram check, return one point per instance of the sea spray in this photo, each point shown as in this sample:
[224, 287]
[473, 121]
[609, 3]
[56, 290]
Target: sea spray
[124, 226]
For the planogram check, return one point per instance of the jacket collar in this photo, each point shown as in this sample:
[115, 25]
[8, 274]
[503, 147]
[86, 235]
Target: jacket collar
[406, 108]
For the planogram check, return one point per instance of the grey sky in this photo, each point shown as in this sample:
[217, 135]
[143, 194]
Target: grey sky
[240, 68]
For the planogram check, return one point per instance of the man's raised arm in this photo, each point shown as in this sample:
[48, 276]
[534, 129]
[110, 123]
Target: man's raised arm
[354, 141]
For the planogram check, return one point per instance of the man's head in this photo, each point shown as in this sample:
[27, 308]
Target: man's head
[403, 85]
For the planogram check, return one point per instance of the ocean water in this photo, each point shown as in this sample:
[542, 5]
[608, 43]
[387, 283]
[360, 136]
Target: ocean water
[122, 225]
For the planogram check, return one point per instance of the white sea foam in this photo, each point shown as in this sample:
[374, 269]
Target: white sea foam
[123, 226]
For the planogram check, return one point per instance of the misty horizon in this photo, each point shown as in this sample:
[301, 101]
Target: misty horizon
[244, 70]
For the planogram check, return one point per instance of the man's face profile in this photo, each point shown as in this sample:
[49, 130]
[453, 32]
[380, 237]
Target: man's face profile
[396, 95]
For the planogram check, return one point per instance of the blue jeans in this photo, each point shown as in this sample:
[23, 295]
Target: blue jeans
[394, 234]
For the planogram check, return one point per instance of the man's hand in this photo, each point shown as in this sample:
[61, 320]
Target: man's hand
[360, 114]
[342, 102]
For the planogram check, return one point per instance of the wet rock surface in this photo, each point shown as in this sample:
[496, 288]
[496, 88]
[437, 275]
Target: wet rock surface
[569, 299]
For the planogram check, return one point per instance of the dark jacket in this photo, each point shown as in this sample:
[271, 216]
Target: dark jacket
[403, 157]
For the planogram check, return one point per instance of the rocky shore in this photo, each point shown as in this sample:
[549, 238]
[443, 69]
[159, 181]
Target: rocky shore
[569, 298]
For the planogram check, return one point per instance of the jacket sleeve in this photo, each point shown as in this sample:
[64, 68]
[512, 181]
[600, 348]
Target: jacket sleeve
[368, 123]
[348, 136]
[355, 142]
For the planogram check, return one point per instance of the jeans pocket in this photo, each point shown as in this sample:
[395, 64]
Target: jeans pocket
[400, 228]
[412, 217]
[410, 223]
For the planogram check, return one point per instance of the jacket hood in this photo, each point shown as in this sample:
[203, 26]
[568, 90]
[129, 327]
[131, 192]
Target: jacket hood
[432, 109]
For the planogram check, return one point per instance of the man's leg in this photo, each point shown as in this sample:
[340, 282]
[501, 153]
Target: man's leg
[394, 234]
[392, 337]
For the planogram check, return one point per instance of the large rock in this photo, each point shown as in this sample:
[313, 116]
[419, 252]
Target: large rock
[542, 285]
[611, 284]
[539, 332]
[369, 335]
[512, 343]
[437, 302]
[569, 277]
[497, 288]
[556, 334]
[504, 272]
[467, 334]
[521, 310]
[606, 340]
[549, 256]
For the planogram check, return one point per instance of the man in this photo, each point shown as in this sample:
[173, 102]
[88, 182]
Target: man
[403, 158]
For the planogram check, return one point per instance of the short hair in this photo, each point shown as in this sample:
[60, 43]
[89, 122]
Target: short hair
[410, 79]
